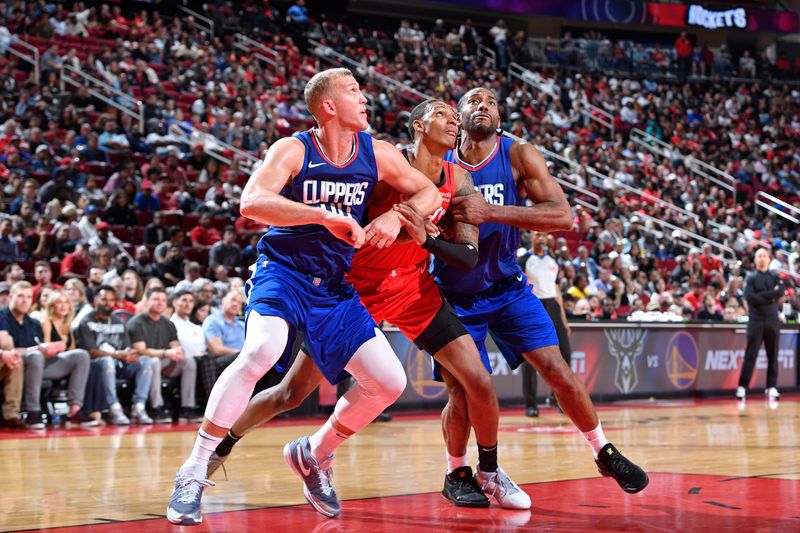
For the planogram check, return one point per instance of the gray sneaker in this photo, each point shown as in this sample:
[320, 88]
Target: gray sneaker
[184, 506]
[214, 462]
[316, 477]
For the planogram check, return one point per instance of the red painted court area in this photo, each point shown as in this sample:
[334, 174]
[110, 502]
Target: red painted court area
[672, 502]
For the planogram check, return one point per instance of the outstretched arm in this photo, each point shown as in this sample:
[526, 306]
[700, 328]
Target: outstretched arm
[550, 211]
[262, 202]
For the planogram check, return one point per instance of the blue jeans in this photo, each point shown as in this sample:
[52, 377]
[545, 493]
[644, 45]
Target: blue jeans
[142, 375]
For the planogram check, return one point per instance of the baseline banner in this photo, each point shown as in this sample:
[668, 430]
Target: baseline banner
[652, 13]
[623, 360]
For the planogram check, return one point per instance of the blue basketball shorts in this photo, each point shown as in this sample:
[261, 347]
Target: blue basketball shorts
[511, 313]
[328, 313]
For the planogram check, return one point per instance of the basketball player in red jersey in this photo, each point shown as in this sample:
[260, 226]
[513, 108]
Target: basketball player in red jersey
[395, 286]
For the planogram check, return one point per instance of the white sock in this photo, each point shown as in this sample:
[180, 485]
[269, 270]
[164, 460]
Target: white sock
[204, 446]
[596, 439]
[454, 462]
[325, 440]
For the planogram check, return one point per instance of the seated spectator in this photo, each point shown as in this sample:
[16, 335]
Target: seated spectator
[203, 236]
[104, 239]
[154, 335]
[5, 293]
[709, 310]
[9, 252]
[122, 304]
[146, 200]
[226, 252]
[171, 268]
[119, 213]
[200, 311]
[134, 290]
[11, 374]
[190, 335]
[38, 308]
[224, 331]
[40, 244]
[76, 292]
[175, 238]
[88, 223]
[156, 232]
[45, 360]
[76, 264]
[43, 273]
[57, 326]
[578, 290]
[143, 263]
[191, 273]
[104, 336]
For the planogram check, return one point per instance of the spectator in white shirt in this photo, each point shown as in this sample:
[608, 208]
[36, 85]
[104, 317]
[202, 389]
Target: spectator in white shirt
[190, 335]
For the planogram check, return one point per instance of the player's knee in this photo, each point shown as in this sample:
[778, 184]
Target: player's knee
[292, 397]
[394, 387]
[457, 397]
[255, 360]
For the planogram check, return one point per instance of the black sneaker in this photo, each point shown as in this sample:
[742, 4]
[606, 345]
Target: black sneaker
[461, 489]
[613, 464]
[34, 420]
[383, 417]
[532, 411]
[80, 420]
[190, 415]
[162, 415]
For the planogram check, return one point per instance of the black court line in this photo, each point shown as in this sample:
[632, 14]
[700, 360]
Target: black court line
[593, 506]
[695, 490]
[722, 505]
[109, 520]
[757, 476]
[155, 515]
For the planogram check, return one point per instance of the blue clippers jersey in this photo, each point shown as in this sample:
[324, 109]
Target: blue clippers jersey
[312, 249]
[497, 242]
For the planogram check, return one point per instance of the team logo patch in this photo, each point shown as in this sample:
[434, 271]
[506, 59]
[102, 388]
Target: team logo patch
[682, 360]
[625, 345]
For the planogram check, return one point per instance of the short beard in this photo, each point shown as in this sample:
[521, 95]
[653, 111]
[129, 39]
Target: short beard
[480, 129]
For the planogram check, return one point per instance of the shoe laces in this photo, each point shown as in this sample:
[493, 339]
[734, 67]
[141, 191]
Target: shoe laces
[502, 483]
[324, 474]
[621, 464]
[189, 488]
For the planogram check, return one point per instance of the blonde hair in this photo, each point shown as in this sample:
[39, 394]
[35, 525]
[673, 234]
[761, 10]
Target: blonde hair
[20, 286]
[52, 300]
[79, 286]
[318, 87]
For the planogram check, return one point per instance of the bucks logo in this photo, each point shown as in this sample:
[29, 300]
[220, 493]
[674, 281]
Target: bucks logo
[625, 345]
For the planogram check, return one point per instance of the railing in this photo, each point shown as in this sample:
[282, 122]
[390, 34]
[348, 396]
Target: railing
[653, 144]
[199, 20]
[215, 147]
[105, 92]
[773, 206]
[488, 55]
[330, 55]
[721, 247]
[32, 57]
[256, 49]
[711, 173]
[589, 111]
[668, 151]
[553, 157]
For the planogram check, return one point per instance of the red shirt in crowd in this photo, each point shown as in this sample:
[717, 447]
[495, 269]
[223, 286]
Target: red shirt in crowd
[683, 47]
[75, 264]
[204, 236]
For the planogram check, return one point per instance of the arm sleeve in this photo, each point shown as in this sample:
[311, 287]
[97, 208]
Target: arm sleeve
[463, 256]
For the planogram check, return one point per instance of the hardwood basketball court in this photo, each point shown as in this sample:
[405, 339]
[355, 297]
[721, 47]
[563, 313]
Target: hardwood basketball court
[714, 466]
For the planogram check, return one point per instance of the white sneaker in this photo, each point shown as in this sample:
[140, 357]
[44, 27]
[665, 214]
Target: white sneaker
[139, 415]
[118, 418]
[772, 393]
[499, 486]
[740, 392]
